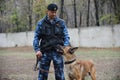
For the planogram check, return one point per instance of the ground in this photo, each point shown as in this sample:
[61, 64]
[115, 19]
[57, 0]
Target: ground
[17, 63]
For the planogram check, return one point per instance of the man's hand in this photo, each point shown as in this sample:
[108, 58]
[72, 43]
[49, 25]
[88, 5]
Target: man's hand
[39, 54]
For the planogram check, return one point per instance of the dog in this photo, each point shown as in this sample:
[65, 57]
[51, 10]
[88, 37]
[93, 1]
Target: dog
[77, 69]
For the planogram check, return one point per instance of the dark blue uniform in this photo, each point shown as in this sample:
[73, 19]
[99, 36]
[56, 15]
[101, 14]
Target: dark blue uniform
[43, 34]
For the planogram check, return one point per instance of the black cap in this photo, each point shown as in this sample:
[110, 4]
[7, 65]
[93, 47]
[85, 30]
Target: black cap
[52, 7]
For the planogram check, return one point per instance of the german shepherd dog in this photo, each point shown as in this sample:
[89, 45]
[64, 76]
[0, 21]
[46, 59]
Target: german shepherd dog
[77, 69]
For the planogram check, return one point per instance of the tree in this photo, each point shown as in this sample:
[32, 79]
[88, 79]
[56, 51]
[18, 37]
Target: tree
[30, 4]
[2, 12]
[39, 8]
[96, 12]
[116, 7]
[88, 12]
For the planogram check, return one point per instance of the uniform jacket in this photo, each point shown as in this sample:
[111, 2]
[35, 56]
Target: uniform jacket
[38, 35]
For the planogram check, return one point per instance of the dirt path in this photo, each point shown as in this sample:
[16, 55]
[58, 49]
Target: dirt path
[17, 63]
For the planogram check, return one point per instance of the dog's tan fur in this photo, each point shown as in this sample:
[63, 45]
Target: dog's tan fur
[78, 69]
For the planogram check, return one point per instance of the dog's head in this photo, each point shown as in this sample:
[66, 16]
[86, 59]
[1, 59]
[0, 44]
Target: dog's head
[68, 52]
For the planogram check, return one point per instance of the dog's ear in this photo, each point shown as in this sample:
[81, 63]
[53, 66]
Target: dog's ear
[72, 50]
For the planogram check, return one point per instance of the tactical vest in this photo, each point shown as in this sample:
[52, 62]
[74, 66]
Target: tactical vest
[52, 34]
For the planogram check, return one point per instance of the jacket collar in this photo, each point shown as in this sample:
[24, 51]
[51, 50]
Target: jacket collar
[56, 19]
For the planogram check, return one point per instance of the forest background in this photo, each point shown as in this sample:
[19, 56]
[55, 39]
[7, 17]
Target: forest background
[23, 15]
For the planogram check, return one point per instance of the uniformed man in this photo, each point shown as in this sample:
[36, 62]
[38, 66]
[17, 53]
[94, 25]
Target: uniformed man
[50, 32]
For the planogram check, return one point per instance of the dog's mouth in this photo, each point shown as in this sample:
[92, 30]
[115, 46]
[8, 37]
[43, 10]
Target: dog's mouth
[70, 61]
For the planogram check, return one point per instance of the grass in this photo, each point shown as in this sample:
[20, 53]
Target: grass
[25, 54]
[17, 63]
[99, 53]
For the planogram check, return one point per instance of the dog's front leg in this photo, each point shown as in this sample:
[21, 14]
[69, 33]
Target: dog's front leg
[70, 77]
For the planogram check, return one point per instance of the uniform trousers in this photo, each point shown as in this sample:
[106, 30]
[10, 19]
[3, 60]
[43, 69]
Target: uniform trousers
[44, 64]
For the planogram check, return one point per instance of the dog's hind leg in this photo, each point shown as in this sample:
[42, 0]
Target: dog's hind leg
[84, 74]
[93, 73]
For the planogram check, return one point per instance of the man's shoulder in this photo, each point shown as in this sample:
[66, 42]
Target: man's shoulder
[59, 19]
[40, 21]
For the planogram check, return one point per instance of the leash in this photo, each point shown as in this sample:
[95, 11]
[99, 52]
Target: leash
[36, 68]
[43, 70]
[38, 59]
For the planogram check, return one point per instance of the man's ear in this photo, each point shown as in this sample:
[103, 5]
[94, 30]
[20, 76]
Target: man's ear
[72, 50]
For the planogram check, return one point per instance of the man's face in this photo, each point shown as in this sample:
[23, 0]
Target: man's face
[51, 14]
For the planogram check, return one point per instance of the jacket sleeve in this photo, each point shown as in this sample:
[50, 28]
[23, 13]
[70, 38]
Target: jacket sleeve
[66, 35]
[37, 37]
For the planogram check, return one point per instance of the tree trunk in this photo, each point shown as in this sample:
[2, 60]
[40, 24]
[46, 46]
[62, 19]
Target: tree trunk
[80, 19]
[30, 3]
[88, 13]
[96, 12]
[61, 11]
[16, 13]
[75, 14]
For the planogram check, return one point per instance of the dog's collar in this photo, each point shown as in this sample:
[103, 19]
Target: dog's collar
[69, 62]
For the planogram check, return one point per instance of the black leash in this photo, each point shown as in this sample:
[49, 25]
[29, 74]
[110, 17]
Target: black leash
[36, 64]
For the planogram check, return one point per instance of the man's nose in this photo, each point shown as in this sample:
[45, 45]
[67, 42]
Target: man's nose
[54, 13]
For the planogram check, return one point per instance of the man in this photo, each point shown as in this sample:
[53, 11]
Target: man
[50, 32]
